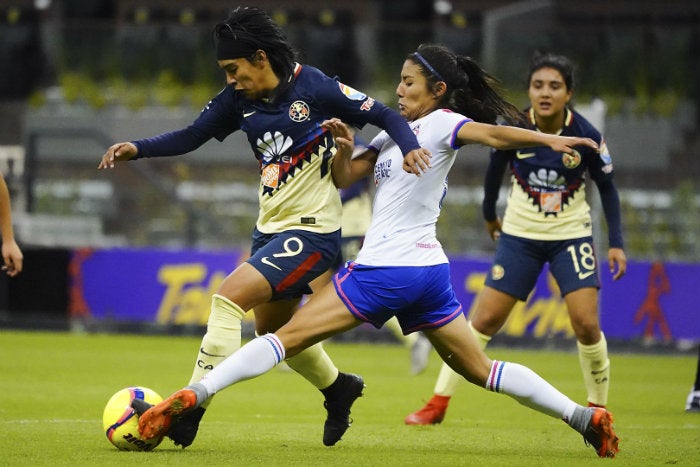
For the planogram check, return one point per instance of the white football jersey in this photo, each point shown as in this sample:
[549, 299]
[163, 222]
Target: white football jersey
[406, 207]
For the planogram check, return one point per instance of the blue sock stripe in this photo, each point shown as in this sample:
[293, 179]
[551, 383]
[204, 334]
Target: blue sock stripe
[494, 381]
[277, 347]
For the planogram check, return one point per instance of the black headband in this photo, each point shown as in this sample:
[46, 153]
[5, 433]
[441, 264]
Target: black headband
[230, 48]
[232, 44]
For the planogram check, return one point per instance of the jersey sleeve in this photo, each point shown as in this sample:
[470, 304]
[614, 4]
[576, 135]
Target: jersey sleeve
[601, 171]
[498, 162]
[610, 200]
[217, 120]
[354, 107]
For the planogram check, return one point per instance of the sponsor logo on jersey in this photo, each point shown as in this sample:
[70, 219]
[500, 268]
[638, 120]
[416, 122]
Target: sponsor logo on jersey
[273, 146]
[549, 179]
[350, 93]
[571, 161]
[270, 175]
[524, 155]
[382, 170]
[299, 111]
[368, 104]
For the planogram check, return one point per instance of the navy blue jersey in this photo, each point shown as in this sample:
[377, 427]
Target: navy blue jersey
[296, 188]
[547, 200]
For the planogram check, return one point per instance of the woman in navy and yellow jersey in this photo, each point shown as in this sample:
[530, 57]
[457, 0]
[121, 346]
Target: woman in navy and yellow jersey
[280, 105]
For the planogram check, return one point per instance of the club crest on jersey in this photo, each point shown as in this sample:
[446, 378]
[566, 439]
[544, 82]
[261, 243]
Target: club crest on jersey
[299, 111]
[350, 93]
[571, 161]
[497, 272]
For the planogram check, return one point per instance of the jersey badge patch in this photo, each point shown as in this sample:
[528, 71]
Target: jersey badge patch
[350, 93]
[299, 111]
[605, 154]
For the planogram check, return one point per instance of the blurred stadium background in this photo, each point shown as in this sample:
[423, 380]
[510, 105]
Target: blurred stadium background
[78, 75]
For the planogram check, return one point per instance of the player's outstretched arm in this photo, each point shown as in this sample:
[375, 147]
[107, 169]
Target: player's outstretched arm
[508, 137]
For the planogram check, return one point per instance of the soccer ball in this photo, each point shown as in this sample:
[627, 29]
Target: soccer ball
[120, 422]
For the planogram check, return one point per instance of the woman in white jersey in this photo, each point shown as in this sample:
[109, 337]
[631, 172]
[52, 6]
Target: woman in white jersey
[401, 269]
[547, 221]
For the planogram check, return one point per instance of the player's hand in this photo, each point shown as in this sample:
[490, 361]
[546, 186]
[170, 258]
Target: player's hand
[342, 134]
[12, 258]
[117, 153]
[566, 144]
[617, 262]
[417, 161]
[494, 229]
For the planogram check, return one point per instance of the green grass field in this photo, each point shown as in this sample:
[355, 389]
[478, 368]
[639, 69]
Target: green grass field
[55, 385]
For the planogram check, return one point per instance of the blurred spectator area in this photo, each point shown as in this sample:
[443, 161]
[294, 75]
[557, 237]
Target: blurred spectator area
[325, 33]
[117, 70]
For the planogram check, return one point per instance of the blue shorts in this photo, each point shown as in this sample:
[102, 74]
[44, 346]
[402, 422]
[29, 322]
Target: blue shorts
[519, 262]
[420, 297]
[290, 260]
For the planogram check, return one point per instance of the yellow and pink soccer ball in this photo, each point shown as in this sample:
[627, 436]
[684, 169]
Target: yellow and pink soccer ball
[121, 423]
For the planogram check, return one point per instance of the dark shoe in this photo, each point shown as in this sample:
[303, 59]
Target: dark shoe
[140, 406]
[338, 407]
[184, 429]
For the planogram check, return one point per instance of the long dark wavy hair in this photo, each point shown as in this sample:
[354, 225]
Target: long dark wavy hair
[471, 91]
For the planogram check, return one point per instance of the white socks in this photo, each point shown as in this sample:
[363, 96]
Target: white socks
[253, 359]
[529, 389]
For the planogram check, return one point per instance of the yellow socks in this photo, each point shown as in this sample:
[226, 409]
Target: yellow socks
[315, 365]
[223, 337]
[595, 366]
